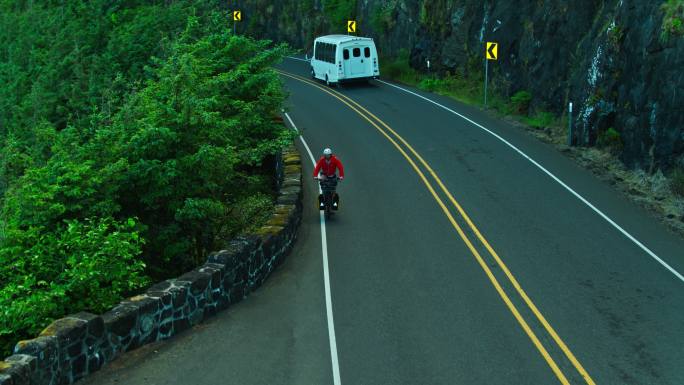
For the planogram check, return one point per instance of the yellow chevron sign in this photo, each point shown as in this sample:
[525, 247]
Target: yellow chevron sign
[351, 26]
[492, 51]
[237, 15]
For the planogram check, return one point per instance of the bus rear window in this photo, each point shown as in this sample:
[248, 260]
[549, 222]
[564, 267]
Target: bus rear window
[346, 54]
[366, 52]
[357, 52]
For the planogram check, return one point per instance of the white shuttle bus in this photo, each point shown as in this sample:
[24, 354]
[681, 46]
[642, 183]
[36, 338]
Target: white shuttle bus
[340, 58]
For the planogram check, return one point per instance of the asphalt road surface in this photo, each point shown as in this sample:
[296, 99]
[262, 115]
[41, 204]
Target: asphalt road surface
[500, 275]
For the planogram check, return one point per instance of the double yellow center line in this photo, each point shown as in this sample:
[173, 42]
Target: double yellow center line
[394, 138]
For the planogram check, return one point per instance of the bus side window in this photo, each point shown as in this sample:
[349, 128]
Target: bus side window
[346, 54]
[357, 52]
[331, 53]
[317, 53]
[327, 52]
[366, 52]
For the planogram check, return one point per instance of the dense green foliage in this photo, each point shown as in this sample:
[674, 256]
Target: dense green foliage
[61, 64]
[398, 68]
[521, 101]
[677, 181]
[541, 119]
[81, 265]
[383, 18]
[673, 20]
[136, 137]
[338, 12]
[610, 139]
[467, 86]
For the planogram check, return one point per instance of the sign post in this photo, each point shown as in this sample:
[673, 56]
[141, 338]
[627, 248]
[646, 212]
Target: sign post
[237, 16]
[491, 53]
[570, 124]
[486, 81]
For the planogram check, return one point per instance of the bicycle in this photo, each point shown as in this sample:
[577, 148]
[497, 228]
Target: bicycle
[328, 201]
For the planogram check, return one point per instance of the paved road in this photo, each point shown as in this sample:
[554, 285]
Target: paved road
[411, 302]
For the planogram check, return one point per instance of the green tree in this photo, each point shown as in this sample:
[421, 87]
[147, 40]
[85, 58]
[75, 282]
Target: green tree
[338, 12]
[135, 139]
[192, 137]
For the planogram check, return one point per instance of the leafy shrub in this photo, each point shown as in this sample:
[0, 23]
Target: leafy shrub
[610, 139]
[677, 181]
[521, 102]
[467, 89]
[673, 17]
[444, 85]
[251, 212]
[541, 119]
[398, 68]
[391, 68]
[430, 84]
[458, 86]
[85, 265]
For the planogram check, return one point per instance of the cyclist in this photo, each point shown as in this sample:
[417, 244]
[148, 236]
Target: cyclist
[328, 166]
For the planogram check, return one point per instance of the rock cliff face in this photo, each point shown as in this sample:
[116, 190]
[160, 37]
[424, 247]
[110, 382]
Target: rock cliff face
[614, 59]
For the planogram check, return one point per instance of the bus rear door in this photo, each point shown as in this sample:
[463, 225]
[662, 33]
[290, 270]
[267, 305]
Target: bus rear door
[357, 63]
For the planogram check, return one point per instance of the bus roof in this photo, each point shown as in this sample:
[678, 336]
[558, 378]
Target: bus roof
[341, 38]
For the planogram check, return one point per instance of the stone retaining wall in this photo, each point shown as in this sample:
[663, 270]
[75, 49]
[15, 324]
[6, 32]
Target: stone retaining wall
[74, 346]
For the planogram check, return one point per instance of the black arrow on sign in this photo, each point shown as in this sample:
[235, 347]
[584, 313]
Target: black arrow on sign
[490, 50]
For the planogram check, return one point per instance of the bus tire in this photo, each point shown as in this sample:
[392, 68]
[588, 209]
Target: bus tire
[313, 74]
[327, 81]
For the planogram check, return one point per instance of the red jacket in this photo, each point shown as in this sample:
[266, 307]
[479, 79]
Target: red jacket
[328, 167]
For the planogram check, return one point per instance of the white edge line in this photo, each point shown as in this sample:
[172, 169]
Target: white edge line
[547, 172]
[297, 58]
[326, 275]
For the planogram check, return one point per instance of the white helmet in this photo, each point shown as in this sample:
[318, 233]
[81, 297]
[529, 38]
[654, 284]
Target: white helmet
[327, 152]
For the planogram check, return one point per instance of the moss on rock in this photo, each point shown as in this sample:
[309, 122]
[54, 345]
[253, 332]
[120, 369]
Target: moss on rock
[269, 230]
[64, 326]
[293, 169]
[4, 365]
[278, 220]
